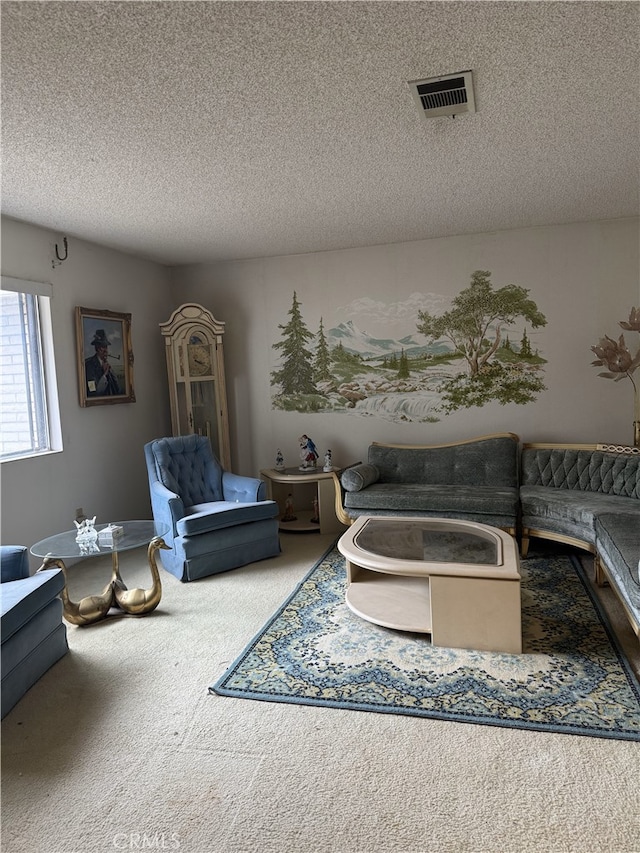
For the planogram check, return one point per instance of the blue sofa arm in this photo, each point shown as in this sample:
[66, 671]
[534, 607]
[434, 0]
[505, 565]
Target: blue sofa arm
[14, 563]
[239, 489]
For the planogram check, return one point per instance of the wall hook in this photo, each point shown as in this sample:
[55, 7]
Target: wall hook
[66, 253]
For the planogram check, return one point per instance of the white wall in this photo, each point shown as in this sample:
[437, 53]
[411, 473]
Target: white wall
[584, 278]
[101, 467]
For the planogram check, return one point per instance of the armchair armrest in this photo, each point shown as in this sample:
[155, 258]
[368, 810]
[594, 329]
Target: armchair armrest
[168, 507]
[239, 489]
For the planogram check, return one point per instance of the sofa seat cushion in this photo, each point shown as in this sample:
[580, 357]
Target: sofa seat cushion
[420, 497]
[206, 517]
[20, 600]
[618, 544]
[570, 511]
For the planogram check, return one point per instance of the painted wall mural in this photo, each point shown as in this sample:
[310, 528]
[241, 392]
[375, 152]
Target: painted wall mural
[454, 354]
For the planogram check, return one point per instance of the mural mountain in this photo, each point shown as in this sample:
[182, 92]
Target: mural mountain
[360, 343]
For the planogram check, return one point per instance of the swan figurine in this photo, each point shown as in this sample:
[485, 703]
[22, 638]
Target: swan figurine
[89, 609]
[139, 601]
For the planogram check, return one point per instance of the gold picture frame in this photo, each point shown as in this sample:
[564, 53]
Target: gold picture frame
[105, 357]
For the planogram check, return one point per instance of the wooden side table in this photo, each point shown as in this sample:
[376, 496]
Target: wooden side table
[304, 488]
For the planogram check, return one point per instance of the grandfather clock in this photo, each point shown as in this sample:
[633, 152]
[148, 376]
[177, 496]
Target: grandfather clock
[195, 366]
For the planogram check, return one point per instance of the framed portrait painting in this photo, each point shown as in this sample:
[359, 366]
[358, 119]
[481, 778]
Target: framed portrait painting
[105, 357]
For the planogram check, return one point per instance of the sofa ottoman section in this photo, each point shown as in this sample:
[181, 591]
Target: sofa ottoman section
[618, 560]
[33, 633]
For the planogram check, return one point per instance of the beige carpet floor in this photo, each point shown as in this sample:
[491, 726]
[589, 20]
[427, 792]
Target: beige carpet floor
[121, 747]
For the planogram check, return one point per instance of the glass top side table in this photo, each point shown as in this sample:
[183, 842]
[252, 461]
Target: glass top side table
[63, 546]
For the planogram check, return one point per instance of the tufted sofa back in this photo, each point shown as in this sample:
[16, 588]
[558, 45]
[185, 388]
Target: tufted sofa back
[588, 470]
[186, 465]
[490, 461]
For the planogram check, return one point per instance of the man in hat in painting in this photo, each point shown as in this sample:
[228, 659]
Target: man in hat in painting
[99, 377]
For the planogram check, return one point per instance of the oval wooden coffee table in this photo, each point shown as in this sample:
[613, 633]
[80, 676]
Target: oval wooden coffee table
[456, 580]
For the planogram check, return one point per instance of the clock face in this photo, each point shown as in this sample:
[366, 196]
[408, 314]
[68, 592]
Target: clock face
[199, 359]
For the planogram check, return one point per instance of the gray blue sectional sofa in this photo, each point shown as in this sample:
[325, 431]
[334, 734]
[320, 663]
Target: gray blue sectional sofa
[587, 495]
[475, 480]
[584, 495]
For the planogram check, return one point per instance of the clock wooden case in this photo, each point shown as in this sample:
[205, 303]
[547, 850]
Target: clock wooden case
[195, 367]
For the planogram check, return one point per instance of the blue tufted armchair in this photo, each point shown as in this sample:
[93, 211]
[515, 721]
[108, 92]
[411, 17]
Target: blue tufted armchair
[218, 520]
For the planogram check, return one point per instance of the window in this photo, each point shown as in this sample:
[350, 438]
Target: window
[29, 416]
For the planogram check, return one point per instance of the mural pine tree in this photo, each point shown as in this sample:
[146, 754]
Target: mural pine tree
[403, 367]
[296, 373]
[525, 346]
[322, 363]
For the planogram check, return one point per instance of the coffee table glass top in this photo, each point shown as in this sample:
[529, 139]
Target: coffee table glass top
[429, 540]
[64, 545]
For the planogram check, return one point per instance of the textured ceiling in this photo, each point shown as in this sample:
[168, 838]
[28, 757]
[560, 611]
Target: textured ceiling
[189, 132]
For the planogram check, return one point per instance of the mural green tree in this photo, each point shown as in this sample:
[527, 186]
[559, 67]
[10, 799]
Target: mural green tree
[403, 366]
[474, 324]
[296, 374]
[322, 362]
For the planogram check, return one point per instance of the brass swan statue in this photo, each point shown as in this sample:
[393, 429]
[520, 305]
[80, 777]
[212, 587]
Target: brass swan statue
[89, 609]
[139, 601]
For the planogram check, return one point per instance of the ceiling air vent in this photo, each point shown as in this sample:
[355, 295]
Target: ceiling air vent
[449, 95]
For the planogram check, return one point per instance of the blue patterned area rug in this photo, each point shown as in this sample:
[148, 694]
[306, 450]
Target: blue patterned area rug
[572, 678]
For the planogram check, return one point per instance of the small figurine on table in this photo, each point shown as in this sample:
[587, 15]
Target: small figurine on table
[308, 453]
[288, 510]
[315, 518]
[87, 537]
[86, 530]
[328, 464]
[279, 460]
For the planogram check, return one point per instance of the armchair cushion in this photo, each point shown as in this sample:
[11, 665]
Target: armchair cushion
[203, 518]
